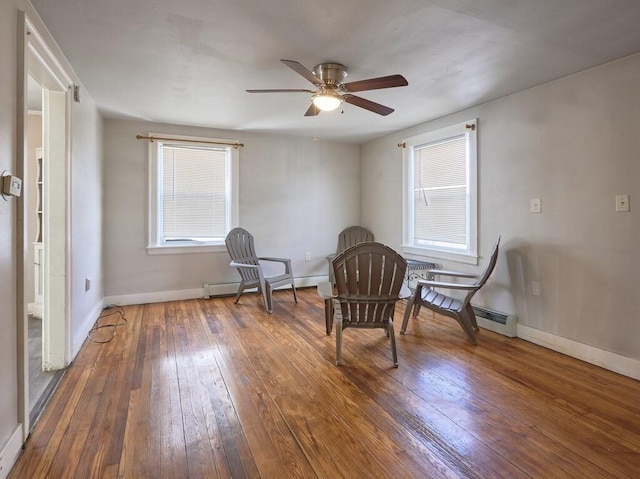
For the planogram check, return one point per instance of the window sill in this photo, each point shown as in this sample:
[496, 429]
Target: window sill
[186, 249]
[446, 255]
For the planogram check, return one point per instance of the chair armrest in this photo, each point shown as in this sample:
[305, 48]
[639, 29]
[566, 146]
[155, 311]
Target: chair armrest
[233, 264]
[325, 290]
[278, 260]
[285, 261]
[405, 292]
[441, 284]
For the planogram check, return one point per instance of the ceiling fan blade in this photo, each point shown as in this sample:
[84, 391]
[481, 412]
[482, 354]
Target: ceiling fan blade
[312, 111]
[280, 90]
[302, 70]
[368, 105]
[390, 81]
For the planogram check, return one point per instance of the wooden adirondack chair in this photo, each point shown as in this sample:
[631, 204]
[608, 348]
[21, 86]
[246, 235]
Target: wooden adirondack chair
[369, 282]
[348, 237]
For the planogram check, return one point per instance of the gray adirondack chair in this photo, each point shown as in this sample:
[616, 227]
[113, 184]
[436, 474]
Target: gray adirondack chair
[240, 246]
[460, 309]
[369, 282]
[348, 237]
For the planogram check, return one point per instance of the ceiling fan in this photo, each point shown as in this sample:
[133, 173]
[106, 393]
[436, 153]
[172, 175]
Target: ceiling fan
[331, 90]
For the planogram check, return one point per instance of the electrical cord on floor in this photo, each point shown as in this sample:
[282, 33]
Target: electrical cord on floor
[112, 325]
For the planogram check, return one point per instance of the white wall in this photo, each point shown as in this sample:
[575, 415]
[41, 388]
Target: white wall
[8, 224]
[574, 144]
[85, 220]
[86, 203]
[296, 195]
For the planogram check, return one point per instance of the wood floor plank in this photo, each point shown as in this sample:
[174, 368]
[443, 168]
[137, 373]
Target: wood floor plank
[539, 415]
[137, 440]
[355, 418]
[374, 381]
[212, 389]
[191, 367]
[263, 423]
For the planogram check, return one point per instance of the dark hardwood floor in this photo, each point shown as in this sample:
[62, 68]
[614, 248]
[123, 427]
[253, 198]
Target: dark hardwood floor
[206, 388]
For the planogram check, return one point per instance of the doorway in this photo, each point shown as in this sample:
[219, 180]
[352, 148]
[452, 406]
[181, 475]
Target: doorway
[42, 382]
[45, 235]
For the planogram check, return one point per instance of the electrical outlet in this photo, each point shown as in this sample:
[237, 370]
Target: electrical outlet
[622, 203]
[536, 205]
[307, 256]
[535, 288]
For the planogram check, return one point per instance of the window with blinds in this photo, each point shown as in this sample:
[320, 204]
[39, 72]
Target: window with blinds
[440, 189]
[193, 194]
[194, 197]
[440, 198]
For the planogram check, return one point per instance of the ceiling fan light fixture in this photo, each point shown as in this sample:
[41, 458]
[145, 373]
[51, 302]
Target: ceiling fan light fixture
[327, 100]
[329, 78]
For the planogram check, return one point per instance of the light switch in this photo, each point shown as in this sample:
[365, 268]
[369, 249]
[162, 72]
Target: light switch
[622, 203]
[536, 205]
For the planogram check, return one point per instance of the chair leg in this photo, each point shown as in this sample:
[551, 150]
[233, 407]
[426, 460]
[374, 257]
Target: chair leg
[467, 327]
[339, 345]
[293, 287]
[328, 315]
[266, 297]
[392, 338]
[240, 290]
[472, 316]
[407, 313]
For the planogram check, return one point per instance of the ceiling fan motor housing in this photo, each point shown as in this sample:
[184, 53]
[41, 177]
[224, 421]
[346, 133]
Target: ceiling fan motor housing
[330, 73]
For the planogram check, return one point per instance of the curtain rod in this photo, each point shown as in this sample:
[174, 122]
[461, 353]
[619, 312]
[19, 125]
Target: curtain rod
[469, 126]
[153, 138]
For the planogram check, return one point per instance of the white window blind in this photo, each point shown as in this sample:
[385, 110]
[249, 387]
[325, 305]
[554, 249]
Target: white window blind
[193, 193]
[440, 186]
[440, 193]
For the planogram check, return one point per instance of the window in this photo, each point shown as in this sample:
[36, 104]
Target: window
[192, 194]
[440, 193]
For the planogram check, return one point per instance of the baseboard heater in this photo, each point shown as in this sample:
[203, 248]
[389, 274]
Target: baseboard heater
[496, 321]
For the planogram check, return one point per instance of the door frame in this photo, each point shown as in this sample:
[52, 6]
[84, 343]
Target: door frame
[36, 57]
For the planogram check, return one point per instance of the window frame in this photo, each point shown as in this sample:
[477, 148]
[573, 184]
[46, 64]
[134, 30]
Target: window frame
[470, 254]
[155, 243]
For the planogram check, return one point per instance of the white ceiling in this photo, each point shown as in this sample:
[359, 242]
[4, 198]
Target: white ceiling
[190, 61]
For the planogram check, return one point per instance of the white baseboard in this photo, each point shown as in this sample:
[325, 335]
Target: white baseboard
[221, 289]
[590, 354]
[81, 333]
[228, 289]
[10, 452]
[156, 297]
